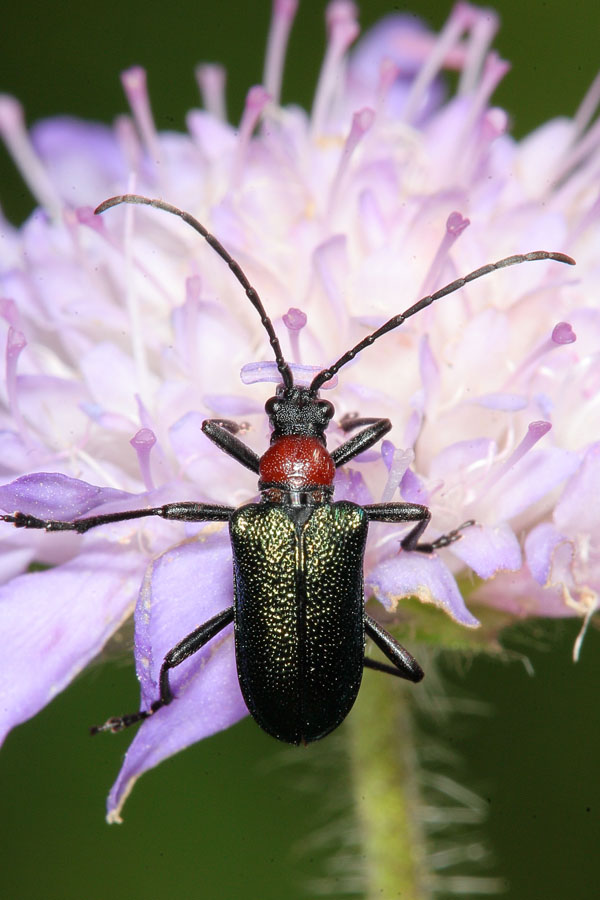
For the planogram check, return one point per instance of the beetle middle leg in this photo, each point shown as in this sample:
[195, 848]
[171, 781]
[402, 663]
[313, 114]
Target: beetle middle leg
[404, 664]
[411, 512]
[181, 651]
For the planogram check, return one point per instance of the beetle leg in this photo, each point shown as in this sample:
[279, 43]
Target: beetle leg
[181, 651]
[350, 421]
[361, 441]
[221, 434]
[180, 512]
[405, 665]
[411, 512]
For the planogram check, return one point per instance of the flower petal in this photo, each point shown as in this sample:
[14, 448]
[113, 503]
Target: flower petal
[489, 550]
[422, 576]
[51, 495]
[184, 588]
[578, 509]
[53, 623]
[539, 547]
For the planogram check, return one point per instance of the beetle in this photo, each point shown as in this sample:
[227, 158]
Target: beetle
[299, 618]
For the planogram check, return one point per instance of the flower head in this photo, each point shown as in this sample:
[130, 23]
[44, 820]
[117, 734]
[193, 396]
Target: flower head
[123, 333]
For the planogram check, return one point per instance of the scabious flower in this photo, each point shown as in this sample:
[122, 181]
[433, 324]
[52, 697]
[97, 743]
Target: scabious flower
[123, 333]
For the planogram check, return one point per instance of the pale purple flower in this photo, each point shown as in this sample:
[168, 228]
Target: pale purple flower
[124, 333]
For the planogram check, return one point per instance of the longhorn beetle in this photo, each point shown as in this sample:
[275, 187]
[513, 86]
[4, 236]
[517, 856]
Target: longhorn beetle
[298, 608]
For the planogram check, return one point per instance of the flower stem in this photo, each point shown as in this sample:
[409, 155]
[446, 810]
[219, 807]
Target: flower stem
[383, 767]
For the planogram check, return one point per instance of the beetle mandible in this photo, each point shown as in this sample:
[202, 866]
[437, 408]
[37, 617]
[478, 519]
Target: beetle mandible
[298, 610]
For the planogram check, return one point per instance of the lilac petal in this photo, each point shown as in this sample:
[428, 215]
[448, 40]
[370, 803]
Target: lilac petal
[256, 372]
[52, 404]
[460, 456]
[578, 510]
[234, 405]
[14, 561]
[349, 484]
[539, 548]
[203, 462]
[518, 594]
[109, 374]
[52, 495]
[14, 455]
[501, 401]
[53, 623]
[489, 550]
[79, 153]
[418, 575]
[215, 138]
[413, 489]
[403, 41]
[535, 475]
[430, 372]
[184, 588]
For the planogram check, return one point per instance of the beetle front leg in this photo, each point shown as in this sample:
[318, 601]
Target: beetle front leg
[374, 431]
[181, 651]
[405, 665]
[179, 512]
[221, 433]
[411, 512]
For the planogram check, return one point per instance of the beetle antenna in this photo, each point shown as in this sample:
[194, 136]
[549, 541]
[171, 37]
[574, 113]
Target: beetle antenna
[395, 321]
[251, 293]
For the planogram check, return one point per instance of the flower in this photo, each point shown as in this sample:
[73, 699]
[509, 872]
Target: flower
[124, 328]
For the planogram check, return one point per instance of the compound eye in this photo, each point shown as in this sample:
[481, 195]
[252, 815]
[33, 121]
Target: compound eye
[272, 406]
[326, 409]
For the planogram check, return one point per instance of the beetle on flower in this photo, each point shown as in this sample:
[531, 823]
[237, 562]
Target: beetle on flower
[118, 331]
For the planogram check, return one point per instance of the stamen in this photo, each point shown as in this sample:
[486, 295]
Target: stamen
[295, 320]
[399, 463]
[589, 602]
[535, 431]
[136, 91]
[211, 80]
[9, 311]
[256, 100]
[430, 375]
[18, 144]
[132, 304]
[484, 27]
[587, 108]
[460, 18]
[330, 265]
[456, 156]
[361, 123]
[187, 318]
[129, 143]
[456, 223]
[143, 442]
[561, 334]
[575, 161]
[342, 28]
[15, 343]
[284, 12]
[388, 73]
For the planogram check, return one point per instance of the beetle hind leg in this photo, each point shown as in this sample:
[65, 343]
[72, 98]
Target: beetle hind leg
[404, 664]
[181, 651]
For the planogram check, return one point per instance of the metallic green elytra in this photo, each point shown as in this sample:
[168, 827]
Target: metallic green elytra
[299, 628]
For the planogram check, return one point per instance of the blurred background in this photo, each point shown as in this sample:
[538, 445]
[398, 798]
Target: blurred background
[240, 816]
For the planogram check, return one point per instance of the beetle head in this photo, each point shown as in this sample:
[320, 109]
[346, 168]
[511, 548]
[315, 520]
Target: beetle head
[298, 410]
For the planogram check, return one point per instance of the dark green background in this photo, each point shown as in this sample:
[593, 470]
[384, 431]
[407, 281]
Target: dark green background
[240, 816]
